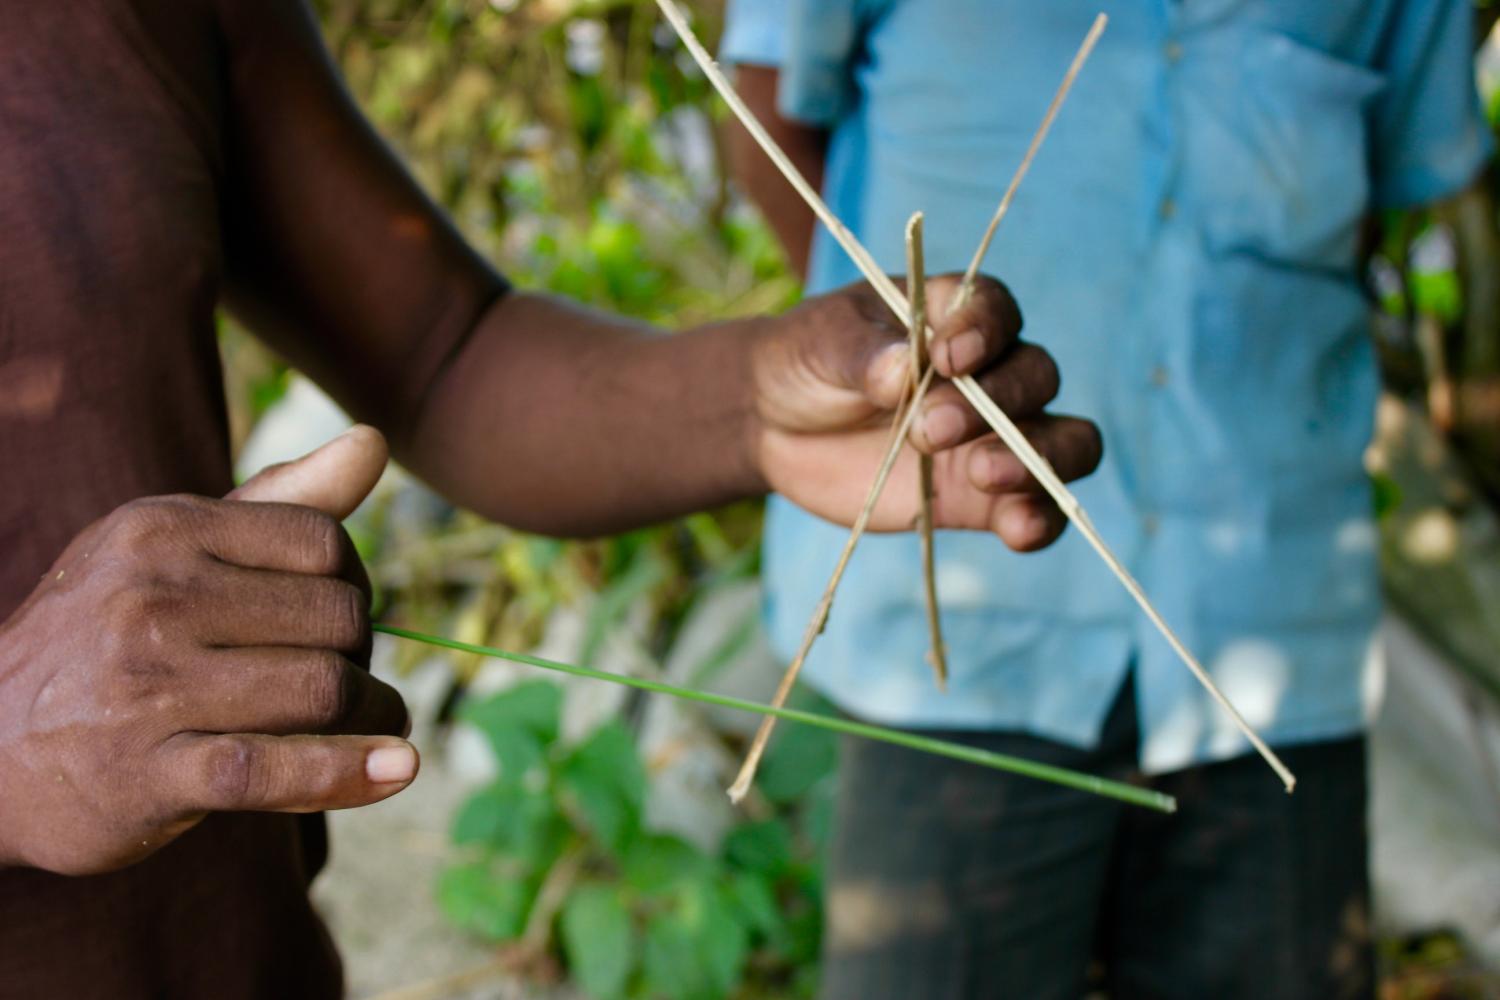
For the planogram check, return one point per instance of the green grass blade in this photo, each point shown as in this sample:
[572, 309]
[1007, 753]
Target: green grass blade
[1132, 794]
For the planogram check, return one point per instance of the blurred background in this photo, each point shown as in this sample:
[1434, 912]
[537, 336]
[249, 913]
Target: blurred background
[570, 841]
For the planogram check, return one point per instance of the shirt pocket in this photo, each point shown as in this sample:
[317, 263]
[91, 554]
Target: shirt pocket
[1276, 137]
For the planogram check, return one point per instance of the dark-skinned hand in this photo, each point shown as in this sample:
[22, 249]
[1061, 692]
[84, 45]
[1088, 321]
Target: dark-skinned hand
[829, 373]
[186, 655]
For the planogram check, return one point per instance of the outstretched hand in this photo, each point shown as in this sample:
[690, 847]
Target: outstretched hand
[186, 655]
[829, 374]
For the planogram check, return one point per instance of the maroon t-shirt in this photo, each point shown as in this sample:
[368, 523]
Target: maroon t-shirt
[158, 157]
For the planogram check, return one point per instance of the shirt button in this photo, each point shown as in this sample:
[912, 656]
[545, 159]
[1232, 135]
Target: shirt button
[1150, 524]
[1160, 376]
[1167, 208]
[1173, 51]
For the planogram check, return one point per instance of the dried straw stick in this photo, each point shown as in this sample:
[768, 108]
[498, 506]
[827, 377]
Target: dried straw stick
[1034, 462]
[1082, 56]
[819, 620]
[916, 284]
[905, 417]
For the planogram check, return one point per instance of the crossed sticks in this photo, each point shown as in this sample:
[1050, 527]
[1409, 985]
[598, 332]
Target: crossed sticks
[1002, 425]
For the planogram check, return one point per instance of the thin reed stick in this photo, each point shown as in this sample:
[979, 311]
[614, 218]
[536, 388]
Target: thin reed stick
[916, 284]
[1034, 462]
[819, 620]
[1135, 795]
[1084, 50]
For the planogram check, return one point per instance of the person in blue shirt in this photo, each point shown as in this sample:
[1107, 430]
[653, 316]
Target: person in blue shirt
[1189, 247]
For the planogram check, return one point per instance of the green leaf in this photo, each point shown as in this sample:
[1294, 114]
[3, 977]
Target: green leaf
[484, 817]
[764, 848]
[796, 760]
[519, 722]
[723, 936]
[511, 821]
[598, 940]
[803, 940]
[604, 778]
[655, 862]
[755, 901]
[671, 962]
[477, 899]
[696, 950]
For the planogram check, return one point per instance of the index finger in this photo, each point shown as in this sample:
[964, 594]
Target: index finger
[281, 537]
[978, 331]
[246, 772]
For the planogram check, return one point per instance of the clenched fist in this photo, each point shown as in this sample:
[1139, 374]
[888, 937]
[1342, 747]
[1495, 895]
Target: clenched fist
[186, 655]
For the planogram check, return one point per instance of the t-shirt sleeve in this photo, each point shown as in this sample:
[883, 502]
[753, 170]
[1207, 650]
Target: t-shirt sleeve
[1430, 136]
[812, 42]
[755, 32]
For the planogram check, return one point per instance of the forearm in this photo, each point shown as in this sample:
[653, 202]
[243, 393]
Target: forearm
[789, 216]
[560, 420]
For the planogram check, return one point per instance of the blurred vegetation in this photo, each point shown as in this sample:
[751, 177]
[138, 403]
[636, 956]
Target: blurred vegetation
[559, 841]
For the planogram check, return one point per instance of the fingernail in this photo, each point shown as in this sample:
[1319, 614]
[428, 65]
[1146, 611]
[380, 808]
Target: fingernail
[391, 764]
[943, 425]
[966, 351]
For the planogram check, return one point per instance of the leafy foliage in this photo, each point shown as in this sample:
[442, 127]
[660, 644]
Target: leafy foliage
[643, 914]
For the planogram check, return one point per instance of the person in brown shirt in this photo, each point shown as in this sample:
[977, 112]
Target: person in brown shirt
[182, 676]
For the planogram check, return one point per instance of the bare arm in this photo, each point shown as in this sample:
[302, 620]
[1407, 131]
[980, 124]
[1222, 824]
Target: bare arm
[526, 408]
[788, 214]
[549, 416]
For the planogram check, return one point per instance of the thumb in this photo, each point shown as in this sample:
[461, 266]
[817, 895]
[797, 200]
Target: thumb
[334, 479]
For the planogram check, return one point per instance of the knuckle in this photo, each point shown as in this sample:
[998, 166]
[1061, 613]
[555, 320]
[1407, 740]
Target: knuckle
[333, 690]
[322, 540]
[136, 524]
[346, 614]
[140, 603]
[854, 305]
[230, 775]
[148, 522]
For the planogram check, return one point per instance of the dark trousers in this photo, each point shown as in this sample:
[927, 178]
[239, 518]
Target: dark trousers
[947, 881]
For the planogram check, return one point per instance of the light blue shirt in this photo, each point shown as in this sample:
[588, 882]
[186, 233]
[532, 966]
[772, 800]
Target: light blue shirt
[1186, 247]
